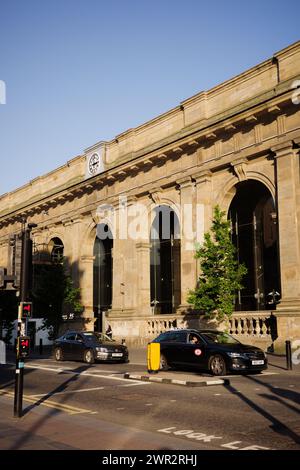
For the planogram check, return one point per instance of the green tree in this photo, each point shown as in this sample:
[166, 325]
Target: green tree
[54, 294]
[221, 275]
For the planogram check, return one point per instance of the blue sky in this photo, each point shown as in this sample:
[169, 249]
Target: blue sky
[80, 71]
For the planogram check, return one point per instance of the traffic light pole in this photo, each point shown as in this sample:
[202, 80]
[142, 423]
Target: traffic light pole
[21, 331]
[19, 375]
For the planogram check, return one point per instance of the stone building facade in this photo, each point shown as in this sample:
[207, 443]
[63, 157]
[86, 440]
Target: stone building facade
[236, 145]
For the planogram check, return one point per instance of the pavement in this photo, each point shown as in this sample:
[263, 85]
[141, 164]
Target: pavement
[63, 431]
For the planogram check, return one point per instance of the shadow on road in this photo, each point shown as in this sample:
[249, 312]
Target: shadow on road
[62, 387]
[276, 425]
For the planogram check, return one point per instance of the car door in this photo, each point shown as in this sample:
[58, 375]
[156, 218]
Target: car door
[67, 345]
[78, 347]
[175, 346]
[169, 343]
[193, 354]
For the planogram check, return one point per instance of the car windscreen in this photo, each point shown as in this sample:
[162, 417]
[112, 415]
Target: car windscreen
[103, 338]
[89, 336]
[219, 337]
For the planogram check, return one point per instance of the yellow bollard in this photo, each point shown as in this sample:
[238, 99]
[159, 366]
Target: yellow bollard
[153, 358]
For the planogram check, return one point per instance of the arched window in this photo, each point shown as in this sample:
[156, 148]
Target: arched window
[56, 248]
[103, 269]
[165, 261]
[254, 233]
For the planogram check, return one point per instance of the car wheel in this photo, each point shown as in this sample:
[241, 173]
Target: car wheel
[163, 362]
[58, 354]
[89, 356]
[217, 365]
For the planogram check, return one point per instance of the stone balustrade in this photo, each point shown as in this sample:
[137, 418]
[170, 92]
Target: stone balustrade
[256, 328]
[252, 324]
[160, 323]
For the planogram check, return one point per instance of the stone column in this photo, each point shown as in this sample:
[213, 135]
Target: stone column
[288, 200]
[187, 243]
[143, 278]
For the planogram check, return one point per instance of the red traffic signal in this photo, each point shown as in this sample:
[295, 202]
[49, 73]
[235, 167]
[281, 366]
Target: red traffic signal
[26, 309]
[23, 346]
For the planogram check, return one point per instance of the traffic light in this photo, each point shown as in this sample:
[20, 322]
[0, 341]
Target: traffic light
[23, 345]
[26, 309]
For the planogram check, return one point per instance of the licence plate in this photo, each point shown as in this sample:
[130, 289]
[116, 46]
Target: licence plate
[117, 354]
[257, 363]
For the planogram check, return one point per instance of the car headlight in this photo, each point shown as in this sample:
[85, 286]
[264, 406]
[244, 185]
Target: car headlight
[234, 354]
[102, 350]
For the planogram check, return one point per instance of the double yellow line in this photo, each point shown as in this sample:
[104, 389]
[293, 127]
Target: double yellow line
[71, 410]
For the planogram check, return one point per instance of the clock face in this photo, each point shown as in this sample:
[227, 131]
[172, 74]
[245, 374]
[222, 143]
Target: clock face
[94, 163]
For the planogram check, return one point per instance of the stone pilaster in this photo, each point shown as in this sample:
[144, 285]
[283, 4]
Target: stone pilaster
[86, 284]
[124, 267]
[204, 201]
[287, 181]
[73, 233]
[143, 277]
[204, 205]
[187, 243]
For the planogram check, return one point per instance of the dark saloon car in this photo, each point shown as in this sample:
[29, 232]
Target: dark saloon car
[89, 347]
[210, 350]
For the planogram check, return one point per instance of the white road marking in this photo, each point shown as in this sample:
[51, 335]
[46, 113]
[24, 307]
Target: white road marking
[67, 371]
[68, 368]
[51, 369]
[200, 436]
[67, 391]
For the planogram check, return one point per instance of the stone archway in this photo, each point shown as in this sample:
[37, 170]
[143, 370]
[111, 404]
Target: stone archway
[165, 261]
[253, 215]
[102, 273]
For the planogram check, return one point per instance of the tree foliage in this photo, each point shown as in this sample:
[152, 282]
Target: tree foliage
[53, 295]
[221, 275]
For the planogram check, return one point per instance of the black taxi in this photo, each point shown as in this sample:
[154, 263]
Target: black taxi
[215, 351]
